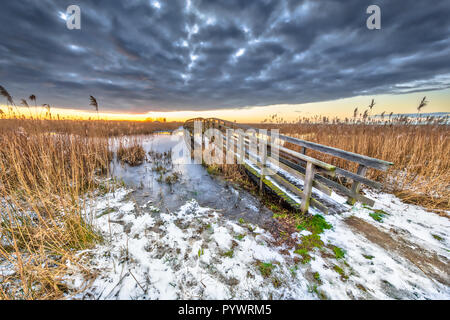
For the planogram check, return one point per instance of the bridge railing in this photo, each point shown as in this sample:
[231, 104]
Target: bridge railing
[313, 173]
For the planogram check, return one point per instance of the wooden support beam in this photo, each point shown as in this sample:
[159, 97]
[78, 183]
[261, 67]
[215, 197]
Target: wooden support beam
[314, 203]
[319, 186]
[263, 164]
[330, 183]
[307, 188]
[323, 165]
[356, 186]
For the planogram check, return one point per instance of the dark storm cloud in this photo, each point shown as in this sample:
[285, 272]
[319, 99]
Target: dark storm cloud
[203, 54]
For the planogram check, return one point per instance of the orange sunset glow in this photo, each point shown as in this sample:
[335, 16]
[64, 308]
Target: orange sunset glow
[400, 103]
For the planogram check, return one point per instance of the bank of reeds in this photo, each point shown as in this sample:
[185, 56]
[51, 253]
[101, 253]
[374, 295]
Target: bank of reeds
[43, 179]
[88, 128]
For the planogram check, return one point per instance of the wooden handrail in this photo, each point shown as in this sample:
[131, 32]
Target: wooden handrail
[312, 170]
[347, 155]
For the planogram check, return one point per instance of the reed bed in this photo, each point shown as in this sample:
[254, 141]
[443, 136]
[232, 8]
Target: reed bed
[420, 152]
[43, 180]
[88, 128]
[49, 170]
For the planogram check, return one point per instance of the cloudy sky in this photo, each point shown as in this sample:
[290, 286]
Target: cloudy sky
[138, 56]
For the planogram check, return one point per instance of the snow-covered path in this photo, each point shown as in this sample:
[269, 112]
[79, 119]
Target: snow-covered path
[197, 253]
[193, 253]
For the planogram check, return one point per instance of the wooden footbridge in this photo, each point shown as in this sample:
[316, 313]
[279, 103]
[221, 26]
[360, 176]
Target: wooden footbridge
[300, 180]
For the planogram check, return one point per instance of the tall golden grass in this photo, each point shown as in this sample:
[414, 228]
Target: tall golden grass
[88, 128]
[48, 168]
[43, 179]
[420, 152]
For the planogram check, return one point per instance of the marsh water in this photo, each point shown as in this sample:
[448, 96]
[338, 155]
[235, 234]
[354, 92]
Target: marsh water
[193, 181]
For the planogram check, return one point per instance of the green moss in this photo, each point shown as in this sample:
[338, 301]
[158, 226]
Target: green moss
[279, 215]
[229, 253]
[305, 255]
[311, 241]
[213, 170]
[240, 236]
[301, 252]
[317, 276]
[368, 257]
[314, 289]
[437, 237]
[338, 252]
[265, 269]
[378, 215]
[293, 270]
[315, 224]
[340, 271]
[276, 208]
[284, 235]
[308, 243]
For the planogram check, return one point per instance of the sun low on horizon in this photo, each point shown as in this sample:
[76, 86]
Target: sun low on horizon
[341, 109]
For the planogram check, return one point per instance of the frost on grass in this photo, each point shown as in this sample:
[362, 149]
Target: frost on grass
[194, 253]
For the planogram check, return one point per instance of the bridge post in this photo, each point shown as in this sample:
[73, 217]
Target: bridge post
[307, 187]
[263, 153]
[356, 186]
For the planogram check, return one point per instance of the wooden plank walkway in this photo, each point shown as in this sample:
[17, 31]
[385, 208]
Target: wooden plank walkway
[300, 180]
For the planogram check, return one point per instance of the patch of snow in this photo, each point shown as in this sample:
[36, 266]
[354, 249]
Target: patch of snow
[189, 254]
[383, 274]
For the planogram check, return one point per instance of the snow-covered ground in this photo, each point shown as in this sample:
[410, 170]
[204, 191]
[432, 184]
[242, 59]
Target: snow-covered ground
[391, 258]
[197, 253]
[193, 253]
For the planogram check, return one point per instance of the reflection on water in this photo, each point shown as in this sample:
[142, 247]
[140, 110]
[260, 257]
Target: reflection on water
[194, 182]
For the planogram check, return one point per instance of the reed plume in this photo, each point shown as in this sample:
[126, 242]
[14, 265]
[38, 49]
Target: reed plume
[94, 103]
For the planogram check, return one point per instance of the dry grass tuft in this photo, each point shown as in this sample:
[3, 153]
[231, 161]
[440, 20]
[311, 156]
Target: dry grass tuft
[133, 154]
